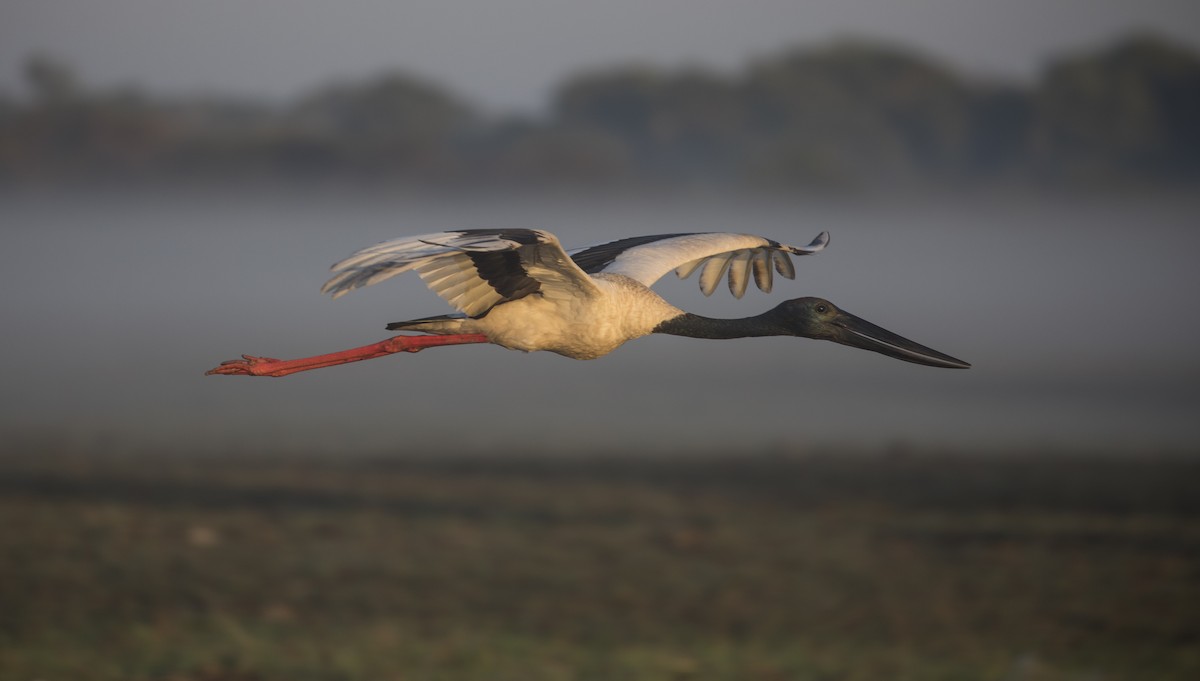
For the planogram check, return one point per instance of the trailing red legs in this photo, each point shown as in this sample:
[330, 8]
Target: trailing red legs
[249, 365]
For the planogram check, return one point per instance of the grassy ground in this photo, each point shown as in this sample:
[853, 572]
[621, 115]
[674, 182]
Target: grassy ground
[830, 568]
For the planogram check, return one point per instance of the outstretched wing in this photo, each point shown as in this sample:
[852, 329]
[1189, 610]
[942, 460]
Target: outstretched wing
[648, 258]
[473, 270]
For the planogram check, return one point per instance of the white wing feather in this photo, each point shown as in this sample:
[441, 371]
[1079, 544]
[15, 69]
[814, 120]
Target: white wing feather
[444, 262]
[713, 254]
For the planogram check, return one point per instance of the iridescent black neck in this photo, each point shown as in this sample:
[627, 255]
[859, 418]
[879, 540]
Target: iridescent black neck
[695, 326]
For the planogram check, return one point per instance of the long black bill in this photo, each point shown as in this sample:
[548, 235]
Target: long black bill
[859, 333]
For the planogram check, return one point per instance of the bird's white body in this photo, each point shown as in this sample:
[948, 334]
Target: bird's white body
[579, 328]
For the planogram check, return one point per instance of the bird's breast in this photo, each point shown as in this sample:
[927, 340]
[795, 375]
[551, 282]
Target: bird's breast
[579, 327]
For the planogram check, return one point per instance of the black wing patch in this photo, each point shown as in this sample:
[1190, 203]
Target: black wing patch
[525, 237]
[503, 271]
[595, 258]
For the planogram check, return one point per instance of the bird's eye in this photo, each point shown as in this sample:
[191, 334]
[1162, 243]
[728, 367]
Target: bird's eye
[822, 308]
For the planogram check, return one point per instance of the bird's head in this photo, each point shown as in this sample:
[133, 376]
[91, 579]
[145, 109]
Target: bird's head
[818, 318]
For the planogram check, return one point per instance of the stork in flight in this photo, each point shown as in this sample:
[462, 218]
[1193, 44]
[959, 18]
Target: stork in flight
[519, 289]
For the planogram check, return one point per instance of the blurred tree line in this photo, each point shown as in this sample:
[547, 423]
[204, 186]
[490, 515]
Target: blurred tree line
[851, 114]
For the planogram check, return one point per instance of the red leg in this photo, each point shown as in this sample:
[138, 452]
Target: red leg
[250, 365]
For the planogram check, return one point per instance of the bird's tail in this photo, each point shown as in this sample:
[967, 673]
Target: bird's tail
[441, 324]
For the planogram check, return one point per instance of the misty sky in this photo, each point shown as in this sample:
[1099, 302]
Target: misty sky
[507, 54]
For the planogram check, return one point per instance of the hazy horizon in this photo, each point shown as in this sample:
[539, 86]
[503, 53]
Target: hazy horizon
[1072, 309]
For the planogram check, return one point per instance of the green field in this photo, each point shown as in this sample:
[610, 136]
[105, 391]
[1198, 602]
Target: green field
[830, 567]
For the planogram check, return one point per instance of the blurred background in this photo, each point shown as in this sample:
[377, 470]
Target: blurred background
[1010, 183]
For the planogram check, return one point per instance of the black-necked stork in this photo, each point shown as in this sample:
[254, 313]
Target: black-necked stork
[519, 289]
